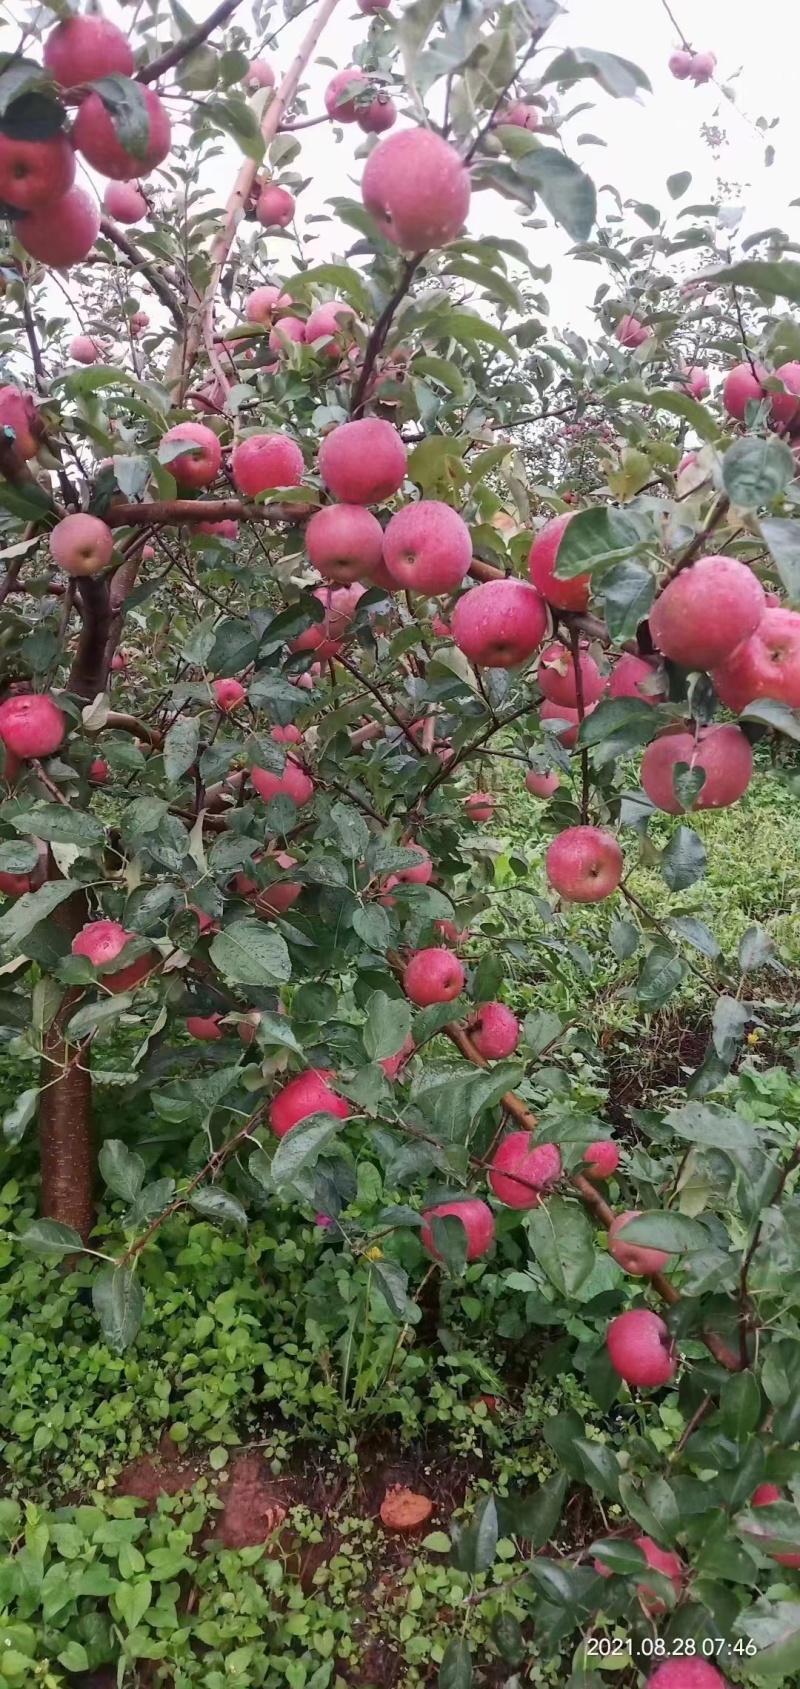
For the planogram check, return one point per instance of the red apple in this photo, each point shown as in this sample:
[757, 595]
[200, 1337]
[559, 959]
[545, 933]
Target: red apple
[31, 725]
[98, 771]
[15, 885]
[279, 896]
[434, 975]
[662, 1560]
[680, 64]
[344, 542]
[200, 464]
[228, 694]
[205, 1027]
[125, 201]
[630, 332]
[767, 665]
[227, 529]
[563, 595]
[696, 382]
[494, 1031]
[416, 188]
[83, 350]
[61, 234]
[427, 547]
[262, 304]
[584, 864]
[363, 462]
[499, 624]
[293, 783]
[558, 681]
[634, 1258]
[480, 806]
[259, 74]
[265, 461]
[377, 117]
[476, 1217]
[635, 677]
[686, 1674]
[742, 385]
[419, 874]
[81, 544]
[764, 1496]
[94, 135]
[289, 735]
[702, 67]
[542, 785]
[308, 1093]
[275, 207]
[35, 174]
[393, 1065]
[520, 1171]
[285, 333]
[18, 412]
[328, 325]
[519, 116]
[101, 942]
[688, 461]
[82, 49]
[340, 605]
[706, 612]
[723, 752]
[601, 1158]
[340, 94]
[640, 1348]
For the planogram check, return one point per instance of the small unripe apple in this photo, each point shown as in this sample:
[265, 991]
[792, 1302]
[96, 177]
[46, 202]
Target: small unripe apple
[633, 1258]
[259, 74]
[434, 975]
[563, 595]
[81, 544]
[293, 783]
[584, 864]
[476, 1217]
[377, 117]
[263, 302]
[416, 188]
[328, 325]
[82, 49]
[741, 387]
[520, 1171]
[499, 624]
[264, 461]
[767, 665]
[480, 806]
[35, 175]
[542, 785]
[344, 542]
[686, 1674]
[630, 332]
[558, 681]
[125, 201]
[31, 725]
[83, 350]
[308, 1093]
[98, 771]
[601, 1158]
[228, 694]
[101, 942]
[275, 207]
[706, 611]
[635, 677]
[427, 547]
[722, 752]
[640, 1348]
[494, 1031]
[205, 1027]
[702, 67]
[94, 135]
[61, 234]
[363, 462]
[680, 64]
[764, 1496]
[340, 94]
[200, 464]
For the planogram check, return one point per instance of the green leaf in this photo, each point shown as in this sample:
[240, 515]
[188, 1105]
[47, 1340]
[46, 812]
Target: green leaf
[132, 1601]
[713, 1127]
[755, 471]
[677, 184]
[250, 953]
[630, 718]
[729, 1021]
[235, 117]
[628, 593]
[180, 749]
[18, 856]
[596, 536]
[619, 77]
[560, 1235]
[689, 409]
[619, 1555]
[347, 282]
[783, 539]
[662, 972]
[392, 1281]
[20, 1115]
[770, 280]
[50, 1239]
[93, 1016]
[508, 1638]
[774, 1627]
[600, 1466]
[568, 193]
[624, 939]
[387, 1025]
[302, 1147]
[772, 714]
[756, 949]
[684, 859]
[467, 325]
[119, 1305]
[678, 1234]
[122, 1169]
[455, 1671]
[58, 825]
[30, 909]
[535, 1516]
[740, 1405]
[125, 100]
[449, 1235]
[696, 933]
[540, 1029]
[217, 1205]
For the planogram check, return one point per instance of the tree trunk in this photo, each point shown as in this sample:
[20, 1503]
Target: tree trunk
[65, 1105]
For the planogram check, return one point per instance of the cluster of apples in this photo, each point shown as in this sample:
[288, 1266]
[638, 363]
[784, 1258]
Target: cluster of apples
[695, 67]
[351, 97]
[55, 221]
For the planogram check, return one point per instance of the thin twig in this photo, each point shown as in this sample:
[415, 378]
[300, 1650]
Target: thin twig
[380, 331]
[188, 43]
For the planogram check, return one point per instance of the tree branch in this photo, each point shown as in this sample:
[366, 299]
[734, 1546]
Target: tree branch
[109, 228]
[380, 331]
[169, 512]
[188, 43]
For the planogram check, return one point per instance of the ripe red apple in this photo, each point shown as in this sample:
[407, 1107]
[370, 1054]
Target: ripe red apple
[499, 624]
[35, 174]
[340, 94]
[702, 67]
[633, 1258]
[126, 979]
[125, 201]
[634, 677]
[392, 1065]
[686, 1674]
[480, 806]
[200, 464]
[294, 783]
[264, 461]
[568, 734]
[542, 785]
[344, 542]
[785, 407]
[61, 234]
[494, 1031]
[340, 605]
[98, 771]
[601, 1158]
[139, 322]
[419, 874]
[563, 595]
[584, 864]
[377, 117]
[723, 752]
[742, 385]
[205, 1027]
[83, 350]
[31, 725]
[278, 897]
[764, 1496]
[308, 1093]
[706, 612]
[427, 547]
[101, 942]
[328, 325]
[662, 1560]
[767, 665]
[519, 116]
[363, 462]
[263, 302]
[227, 529]
[18, 412]
[15, 885]
[434, 975]
[289, 735]
[520, 1171]
[81, 544]
[630, 332]
[148, 553]
[416, 188]
[370, 7]
[680, 64]
[259, 74]
[696, 382]
[640, 1348]
[94, 135]
[228, 694]
[82, 49]
[558, 681]
[286, 333]
[476, 1217]
[275, 207]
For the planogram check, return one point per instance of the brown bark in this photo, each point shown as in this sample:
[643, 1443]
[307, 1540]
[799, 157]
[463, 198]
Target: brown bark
[65, 1107]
